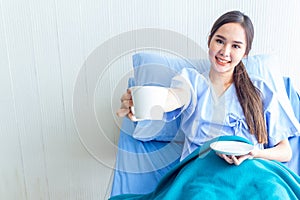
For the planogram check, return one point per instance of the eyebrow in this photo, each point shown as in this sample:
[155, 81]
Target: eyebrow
[223, 38]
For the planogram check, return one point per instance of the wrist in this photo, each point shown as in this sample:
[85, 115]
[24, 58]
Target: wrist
[255, 153]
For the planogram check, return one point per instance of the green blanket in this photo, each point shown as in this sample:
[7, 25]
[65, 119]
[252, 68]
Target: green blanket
[204, 175]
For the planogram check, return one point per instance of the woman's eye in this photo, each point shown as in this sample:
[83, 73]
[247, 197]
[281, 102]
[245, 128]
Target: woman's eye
[219, 41]
[236, 46]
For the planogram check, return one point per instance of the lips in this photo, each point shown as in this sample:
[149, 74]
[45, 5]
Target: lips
[221, 61]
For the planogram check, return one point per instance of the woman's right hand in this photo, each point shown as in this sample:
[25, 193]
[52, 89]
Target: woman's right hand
[126, 103]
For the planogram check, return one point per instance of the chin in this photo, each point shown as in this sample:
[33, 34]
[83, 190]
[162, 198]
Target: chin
[222, 69]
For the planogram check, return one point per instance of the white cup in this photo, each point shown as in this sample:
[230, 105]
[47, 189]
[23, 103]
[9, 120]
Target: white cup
[148, 102]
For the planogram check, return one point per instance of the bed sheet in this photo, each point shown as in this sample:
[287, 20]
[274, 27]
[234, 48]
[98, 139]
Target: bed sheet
[140, 165]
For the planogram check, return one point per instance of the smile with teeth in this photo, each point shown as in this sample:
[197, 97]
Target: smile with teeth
[222, 61]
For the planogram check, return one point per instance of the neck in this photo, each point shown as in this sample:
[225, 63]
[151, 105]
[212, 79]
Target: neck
[220, 81]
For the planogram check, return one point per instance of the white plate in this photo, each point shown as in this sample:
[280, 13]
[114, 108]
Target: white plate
[231, 147]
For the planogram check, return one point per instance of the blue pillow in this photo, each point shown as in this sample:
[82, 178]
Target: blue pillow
[155, 69]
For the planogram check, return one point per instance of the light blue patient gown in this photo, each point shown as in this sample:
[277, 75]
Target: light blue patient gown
[207, 116]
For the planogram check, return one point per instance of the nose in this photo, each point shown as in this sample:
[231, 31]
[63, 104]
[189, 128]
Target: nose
[225, 51]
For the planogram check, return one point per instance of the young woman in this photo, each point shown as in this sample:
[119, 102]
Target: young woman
[225, 101]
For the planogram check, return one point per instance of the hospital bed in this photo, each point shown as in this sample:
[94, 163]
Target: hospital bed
[148, 150]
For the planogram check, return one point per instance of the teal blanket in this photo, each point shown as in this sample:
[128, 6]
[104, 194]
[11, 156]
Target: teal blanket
[204, 175]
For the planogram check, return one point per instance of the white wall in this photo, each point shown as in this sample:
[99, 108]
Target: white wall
[44, 45]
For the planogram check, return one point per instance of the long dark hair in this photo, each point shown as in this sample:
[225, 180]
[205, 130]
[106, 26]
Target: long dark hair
[248, 95]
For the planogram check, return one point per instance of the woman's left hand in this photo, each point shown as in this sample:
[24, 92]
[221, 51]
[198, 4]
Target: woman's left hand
[237, 160]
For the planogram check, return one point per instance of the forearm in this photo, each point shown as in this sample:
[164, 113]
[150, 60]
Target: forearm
[281, 152]
[176, 98]
[179, 94]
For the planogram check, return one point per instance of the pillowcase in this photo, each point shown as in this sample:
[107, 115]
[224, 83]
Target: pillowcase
[155, 69]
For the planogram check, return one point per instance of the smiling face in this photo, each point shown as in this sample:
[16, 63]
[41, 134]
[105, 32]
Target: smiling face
[227, 47]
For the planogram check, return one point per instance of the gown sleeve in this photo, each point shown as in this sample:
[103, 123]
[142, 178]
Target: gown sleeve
[189, 80]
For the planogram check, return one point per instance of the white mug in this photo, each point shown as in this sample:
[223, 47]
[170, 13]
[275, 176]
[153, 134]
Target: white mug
[148, 102]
